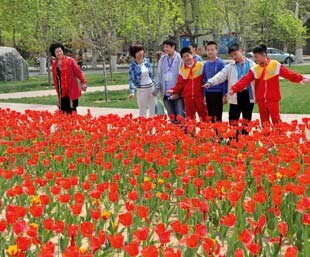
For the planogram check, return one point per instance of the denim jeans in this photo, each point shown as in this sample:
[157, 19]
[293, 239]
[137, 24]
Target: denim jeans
[174, 107]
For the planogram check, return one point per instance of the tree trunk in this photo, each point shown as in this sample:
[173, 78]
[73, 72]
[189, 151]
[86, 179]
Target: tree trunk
[113, 60]
[49, 72]
[42, 65]
[94, 58]
[14, 39]
[104, 70]
[299, 54]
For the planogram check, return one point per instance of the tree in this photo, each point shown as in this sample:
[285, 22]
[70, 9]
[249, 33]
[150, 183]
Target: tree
[288, 28]
[50, 23]
[14, 21]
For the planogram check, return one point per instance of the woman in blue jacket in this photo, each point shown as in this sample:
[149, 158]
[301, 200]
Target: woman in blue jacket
[141, 78]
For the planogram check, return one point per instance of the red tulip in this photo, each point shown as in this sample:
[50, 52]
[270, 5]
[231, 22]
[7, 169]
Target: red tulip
[23, 243]
[20, 227]
[59, 226]
[79, 197]
[2, 225]
[291, 251]
[169, 252]
[142, 211]
[253, 248]
[102, 236]
[132, 249]
[133, 195]
[282, 227]
[94, 213]
[228, 220]
[125, 219]
[76, 209]
[87, 229]
[72, 230]
[245, 237]
[49, 224]
[200, 230]
[95, 244]
[116, 240]
[150, 251]
[141, 234]
[192, 241]
[113, 196]
[249, 206]
[238, 253]
[208, 246]
[71, 251]
[305, 219]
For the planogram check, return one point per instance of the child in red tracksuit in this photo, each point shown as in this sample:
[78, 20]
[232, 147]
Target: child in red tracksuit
[189, 84]
[266, 75]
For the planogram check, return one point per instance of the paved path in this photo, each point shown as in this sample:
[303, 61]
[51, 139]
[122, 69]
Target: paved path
[53, 92]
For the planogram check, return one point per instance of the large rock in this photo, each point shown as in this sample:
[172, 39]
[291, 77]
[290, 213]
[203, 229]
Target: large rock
[13, 67]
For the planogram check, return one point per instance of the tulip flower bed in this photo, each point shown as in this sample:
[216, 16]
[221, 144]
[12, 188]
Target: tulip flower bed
[110, 186]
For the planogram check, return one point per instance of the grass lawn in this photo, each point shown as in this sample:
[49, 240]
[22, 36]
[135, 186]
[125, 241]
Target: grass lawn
[295, 99]
[41, 83]
[302, 69]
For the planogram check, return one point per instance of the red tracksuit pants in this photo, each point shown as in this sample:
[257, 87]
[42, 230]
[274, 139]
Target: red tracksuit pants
[193, 105]
[269, 110]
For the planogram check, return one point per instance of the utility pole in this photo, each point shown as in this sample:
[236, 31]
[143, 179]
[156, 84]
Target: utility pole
[299, 49]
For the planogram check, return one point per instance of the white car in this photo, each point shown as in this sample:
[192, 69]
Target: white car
[276, 54]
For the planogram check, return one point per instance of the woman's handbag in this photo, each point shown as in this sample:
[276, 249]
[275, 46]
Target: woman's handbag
[159, 107]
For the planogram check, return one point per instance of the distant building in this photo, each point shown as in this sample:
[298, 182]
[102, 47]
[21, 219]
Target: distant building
[224, 41]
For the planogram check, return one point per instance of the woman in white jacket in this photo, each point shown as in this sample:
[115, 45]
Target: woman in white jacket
[241, 102]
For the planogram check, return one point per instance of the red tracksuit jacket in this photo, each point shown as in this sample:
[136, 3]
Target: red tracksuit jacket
[267, 84]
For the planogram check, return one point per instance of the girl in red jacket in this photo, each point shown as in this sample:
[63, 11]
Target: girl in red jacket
[266, 75]
[189, 84]
[65, 73]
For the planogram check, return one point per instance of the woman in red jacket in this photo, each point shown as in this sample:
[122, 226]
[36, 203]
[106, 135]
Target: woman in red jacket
[65, 73]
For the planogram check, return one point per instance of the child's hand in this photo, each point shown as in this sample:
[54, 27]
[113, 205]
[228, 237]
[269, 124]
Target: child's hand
[305, 80]
[207, 85]
[169, 91]
[224, 99]
[174, 96]
[132, 95]
[231, 92]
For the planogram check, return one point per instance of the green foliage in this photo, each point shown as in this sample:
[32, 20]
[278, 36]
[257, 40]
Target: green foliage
[105, 25]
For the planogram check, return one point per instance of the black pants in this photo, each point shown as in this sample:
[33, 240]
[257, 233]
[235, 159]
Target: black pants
[244, 106]
[215, 105]
[67, 105]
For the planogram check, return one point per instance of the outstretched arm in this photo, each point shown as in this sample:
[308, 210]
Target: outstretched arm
[243, 82]
[290, 75]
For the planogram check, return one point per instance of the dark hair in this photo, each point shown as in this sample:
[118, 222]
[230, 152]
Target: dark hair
[233, 48]
[135, 49]
[170, 42]
[209, 43]
[54, 46]
[260, 49]
[194, 45]
[185, 50]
